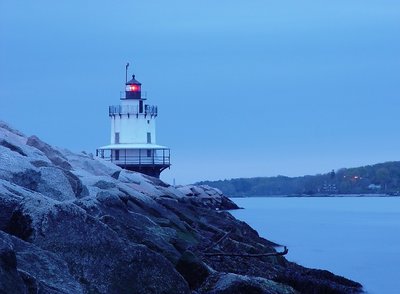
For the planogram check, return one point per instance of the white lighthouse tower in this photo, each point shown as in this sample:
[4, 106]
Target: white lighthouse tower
[133, 134]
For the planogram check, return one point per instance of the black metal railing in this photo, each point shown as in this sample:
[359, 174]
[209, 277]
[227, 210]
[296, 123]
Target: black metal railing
[130, 109]
[141, 159]
[122, 95]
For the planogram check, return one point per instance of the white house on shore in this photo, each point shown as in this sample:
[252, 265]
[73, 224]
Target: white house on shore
[133, 134]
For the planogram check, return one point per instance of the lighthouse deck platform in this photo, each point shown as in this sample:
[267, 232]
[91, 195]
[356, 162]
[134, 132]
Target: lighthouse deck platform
[150, 159]
[144, 160]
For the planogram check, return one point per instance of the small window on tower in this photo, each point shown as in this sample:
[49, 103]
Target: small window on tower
[148, 121]
[116, 138]
[148, 153]
[116, 154]
[148, 137]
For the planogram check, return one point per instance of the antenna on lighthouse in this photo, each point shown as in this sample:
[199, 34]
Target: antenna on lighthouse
[126, 72]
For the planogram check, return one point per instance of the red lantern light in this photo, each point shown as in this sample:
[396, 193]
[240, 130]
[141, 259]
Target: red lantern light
[133, 88]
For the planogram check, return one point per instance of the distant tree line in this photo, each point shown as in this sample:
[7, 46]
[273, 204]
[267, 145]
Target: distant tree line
[382, 178]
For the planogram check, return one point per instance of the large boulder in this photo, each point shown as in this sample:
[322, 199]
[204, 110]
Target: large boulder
[52, 154]
[228, 283]
[96, 255]
[317, 281]
[42, 269]
[206, 196]
[10, 279]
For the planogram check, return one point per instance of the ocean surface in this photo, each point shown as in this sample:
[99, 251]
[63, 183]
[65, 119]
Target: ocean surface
[355, 237]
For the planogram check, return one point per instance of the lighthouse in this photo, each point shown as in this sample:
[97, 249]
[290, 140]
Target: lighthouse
[133, 134]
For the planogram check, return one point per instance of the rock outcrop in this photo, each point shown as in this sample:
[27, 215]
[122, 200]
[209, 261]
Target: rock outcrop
[72, 223]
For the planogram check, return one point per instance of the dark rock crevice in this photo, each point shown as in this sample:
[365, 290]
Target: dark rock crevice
[20, 225]
[78, 188]
[10, 279]
[12, 147]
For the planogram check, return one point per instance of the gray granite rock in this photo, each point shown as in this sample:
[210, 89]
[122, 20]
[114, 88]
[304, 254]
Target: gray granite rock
[10, 279]
[44, 266]
[52, 154]
[228, 283]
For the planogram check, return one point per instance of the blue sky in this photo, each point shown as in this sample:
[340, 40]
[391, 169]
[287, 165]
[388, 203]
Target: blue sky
[244, 88]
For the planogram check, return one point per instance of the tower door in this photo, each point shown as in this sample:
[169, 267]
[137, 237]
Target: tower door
[140, 106]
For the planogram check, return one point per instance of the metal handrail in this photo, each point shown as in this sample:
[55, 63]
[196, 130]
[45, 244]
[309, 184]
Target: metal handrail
[130, 109]
[139, 160]
[122, 95]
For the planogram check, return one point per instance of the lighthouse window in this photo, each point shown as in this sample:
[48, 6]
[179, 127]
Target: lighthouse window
[148, 121]
[148, 137]
[116, 138]
[116, 154]
[148, 153]
[132, 88]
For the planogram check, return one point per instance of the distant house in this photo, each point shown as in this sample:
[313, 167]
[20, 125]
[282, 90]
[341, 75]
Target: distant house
[374, 187]
[329, 188]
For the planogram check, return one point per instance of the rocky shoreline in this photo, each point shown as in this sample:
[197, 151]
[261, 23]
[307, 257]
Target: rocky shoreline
[71, 223]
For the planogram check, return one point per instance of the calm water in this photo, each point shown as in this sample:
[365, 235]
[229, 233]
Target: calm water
[358, 238]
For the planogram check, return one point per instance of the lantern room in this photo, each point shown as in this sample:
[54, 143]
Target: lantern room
[133, 89]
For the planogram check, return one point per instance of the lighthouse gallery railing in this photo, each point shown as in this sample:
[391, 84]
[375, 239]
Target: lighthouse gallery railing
[142, 159]
[129, 109]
